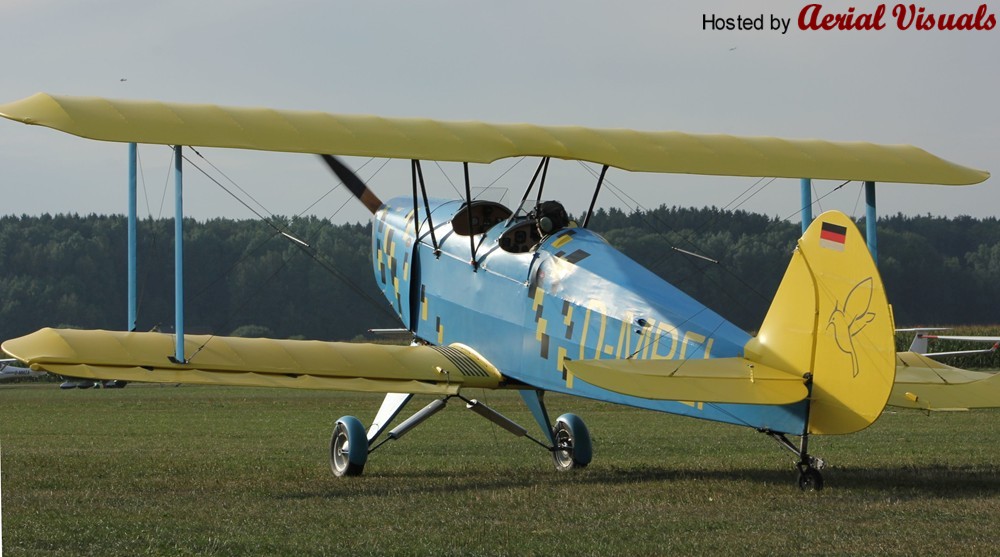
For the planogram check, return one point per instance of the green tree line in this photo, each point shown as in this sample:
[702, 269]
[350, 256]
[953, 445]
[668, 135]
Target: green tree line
[243, 277]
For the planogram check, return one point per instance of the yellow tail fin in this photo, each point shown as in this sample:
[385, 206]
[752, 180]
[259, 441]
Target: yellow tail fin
[830, 318]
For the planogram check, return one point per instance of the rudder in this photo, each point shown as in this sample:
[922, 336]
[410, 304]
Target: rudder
[830, 317]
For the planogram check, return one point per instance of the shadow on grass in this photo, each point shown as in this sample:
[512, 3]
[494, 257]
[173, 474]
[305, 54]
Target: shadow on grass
[931, 481]
[943, 482]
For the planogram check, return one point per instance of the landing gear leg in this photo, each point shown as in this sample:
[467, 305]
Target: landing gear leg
[810, 478]
[570, 438]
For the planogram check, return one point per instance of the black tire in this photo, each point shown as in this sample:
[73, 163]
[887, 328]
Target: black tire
[348, 447]
[810, 480]
[572, 442]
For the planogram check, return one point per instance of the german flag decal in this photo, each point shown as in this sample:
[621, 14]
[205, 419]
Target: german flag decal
[832, 236]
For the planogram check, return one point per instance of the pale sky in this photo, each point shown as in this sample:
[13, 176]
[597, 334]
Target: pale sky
[646, 65]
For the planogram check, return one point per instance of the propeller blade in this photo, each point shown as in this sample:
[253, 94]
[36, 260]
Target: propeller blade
[353, 183]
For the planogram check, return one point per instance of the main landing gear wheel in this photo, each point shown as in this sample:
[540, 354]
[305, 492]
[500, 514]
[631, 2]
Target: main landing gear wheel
[810, 479]
[572, 443]
[348, 447]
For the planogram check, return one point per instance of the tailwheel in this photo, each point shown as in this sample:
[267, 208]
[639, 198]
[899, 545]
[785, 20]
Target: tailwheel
[810, 479]
[809, 466]
[348, 447]
[572, 443]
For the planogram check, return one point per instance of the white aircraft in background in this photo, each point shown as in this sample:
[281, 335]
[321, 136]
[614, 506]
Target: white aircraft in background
[920, 343]
[9, 371]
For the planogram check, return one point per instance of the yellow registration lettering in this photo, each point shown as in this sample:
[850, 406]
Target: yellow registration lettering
[696, 339]
[665, 329]
[624, 346]
[601, 309]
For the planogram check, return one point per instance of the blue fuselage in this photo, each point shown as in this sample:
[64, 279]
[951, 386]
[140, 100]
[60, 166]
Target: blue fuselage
[572, 296]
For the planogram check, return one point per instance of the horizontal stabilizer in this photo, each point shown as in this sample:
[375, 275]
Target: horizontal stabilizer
[258, 362]
[724, 380]
[930, 385]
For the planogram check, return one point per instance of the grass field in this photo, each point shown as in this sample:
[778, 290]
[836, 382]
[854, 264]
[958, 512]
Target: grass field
[223, 471]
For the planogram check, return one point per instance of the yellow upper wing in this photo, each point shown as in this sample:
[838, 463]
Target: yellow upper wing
[930, 385]
[478, 142]
[256, 362]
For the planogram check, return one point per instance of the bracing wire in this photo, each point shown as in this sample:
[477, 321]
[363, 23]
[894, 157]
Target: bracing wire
[617, 192]
[266, 220]
[303, 246]
[141, 294]
[450, 183]
[857, 201]
[759, 188]
[498, 178]
[295, 241]
[230, 180]
[818, 199]
[339, 183]
[163, 196]
[142, 178]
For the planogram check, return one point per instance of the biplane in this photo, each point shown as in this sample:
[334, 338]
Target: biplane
[925, 383]
[524, 297]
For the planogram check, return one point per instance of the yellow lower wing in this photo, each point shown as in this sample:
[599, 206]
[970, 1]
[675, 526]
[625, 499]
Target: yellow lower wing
[728, 380]
[930, 385]
[257, 362]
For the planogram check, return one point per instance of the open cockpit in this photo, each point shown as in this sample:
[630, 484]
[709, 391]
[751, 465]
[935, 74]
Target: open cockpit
[525, 228]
